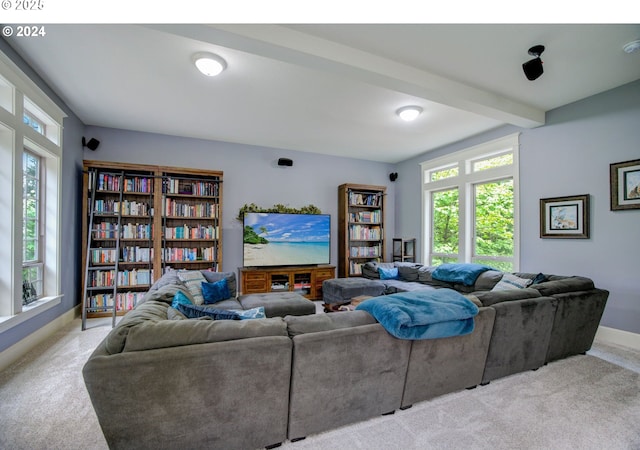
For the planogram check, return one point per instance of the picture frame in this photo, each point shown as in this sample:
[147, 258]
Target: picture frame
[625, 185]
[565, 217]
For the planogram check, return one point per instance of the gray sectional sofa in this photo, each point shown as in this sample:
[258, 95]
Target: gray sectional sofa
[159, 380]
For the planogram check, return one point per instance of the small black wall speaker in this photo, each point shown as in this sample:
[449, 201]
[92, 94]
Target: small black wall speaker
[285, 162]
[393, 176]
[92, 144]
[532, 69]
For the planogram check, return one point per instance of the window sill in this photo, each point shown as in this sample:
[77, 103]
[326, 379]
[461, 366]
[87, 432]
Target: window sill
[30, 311]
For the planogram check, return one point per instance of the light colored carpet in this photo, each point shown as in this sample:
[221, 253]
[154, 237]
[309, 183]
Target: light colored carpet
[583, 402]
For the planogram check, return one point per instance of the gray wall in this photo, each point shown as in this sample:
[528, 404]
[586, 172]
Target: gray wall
[71, 211]
[251, 175]
[570, 155]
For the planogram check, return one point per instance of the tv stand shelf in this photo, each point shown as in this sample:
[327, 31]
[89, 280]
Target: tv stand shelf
[304, 280]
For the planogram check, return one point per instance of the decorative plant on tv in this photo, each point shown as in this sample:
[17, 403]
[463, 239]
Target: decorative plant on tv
[279, 208]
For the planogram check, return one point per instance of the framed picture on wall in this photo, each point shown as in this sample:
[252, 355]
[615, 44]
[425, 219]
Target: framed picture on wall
[565, 217]
[625, 185]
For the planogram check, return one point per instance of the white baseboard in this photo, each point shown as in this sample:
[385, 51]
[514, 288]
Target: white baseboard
[608, 335]
[21, 348]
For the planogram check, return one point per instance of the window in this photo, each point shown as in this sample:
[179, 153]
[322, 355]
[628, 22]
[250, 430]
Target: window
[30, 170]
[470, 206]
[32, 235]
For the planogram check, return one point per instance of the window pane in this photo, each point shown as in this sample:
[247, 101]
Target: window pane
[437, 260]
[34, 123]
[31, 284]
[504, 266]
[495, 161]
[31, 273]
[441, 174]
[494, 219]
[445, 221]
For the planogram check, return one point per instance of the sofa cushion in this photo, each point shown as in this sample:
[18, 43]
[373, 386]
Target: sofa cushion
[174, 333]
[169, 277]
[370, 269]
[323, 322]
[510, 281]
[149, 312]
[487, 280]
[215, 292]
[166, 293]
[560, 285]
[489, 298]
[193, 279]
[394, 286]
[408, 272]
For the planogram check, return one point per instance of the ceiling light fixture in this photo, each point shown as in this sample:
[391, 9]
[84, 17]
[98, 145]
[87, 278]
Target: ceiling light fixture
[533, 68]
[409, 113]
[631, 47]
[209, 64]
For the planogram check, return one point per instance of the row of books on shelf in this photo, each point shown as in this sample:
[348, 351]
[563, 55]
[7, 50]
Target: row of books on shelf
[365, 233]
[125, 301]
[128, 254]
[177, 208]
[103, 255]
[191, 232]
[178, 254]
[365, 252]
[109, 230]
[107, 278]
[190, 187]
[125, 208]
[362, 199]
[114, 182]
[137, 254]
[366, 216]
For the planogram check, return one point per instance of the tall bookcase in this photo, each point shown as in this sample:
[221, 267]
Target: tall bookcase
[360, 227]
[139, 220]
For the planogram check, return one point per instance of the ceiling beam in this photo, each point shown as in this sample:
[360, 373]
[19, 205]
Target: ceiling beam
[287, 45]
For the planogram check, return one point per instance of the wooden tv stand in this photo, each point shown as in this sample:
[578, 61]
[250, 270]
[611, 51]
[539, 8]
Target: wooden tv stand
[304, 280]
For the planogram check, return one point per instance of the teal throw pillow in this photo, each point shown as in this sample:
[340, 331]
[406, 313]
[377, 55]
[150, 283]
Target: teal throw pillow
[215, 292]
[180, 299]
[388, 273]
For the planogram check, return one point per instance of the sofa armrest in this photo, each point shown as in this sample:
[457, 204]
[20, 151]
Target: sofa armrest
[559, 285]
[489, 298]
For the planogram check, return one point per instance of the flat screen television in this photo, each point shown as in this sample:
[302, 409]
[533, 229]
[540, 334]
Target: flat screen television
[279, 239]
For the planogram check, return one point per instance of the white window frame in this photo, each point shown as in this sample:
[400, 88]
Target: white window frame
[465, 182]
[17, 94]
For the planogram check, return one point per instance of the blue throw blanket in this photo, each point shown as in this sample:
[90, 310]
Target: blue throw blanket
[423, 314]
[465, 273]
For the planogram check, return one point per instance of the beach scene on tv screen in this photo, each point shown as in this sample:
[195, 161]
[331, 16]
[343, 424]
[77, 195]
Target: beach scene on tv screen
[286, 239]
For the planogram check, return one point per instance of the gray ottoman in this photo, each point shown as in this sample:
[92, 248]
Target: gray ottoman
[342, 290]
[279, 304]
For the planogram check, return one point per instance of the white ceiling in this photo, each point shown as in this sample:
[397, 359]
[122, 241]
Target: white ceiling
[330, 89]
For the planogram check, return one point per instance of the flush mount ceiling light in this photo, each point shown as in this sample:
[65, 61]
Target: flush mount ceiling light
[533, 68]
[409, 113]
[209, 64]
[632, 46]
